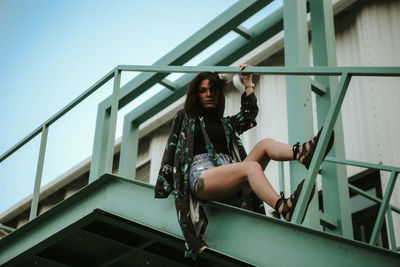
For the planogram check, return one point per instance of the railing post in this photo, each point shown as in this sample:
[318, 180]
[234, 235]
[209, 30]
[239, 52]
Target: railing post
[113, 122]
[383, 208]
[335, 195]
[39, 172]
[104, 139]
[298, 90]
[391, 229]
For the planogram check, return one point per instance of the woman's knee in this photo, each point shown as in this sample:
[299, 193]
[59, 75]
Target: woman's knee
[252, 167]
[266, 142]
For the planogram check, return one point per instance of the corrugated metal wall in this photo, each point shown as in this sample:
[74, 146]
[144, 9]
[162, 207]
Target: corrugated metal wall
[371, 110]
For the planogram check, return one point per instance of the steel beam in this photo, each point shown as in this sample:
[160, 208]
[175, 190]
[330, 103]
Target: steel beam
[260, 245]
[129, 149]
[298, 91]
[203, 38]
[318, 87]
[207, 35]
[243, 32]
[335, 195]
[99, 152]
[6, 228]
[168, 84]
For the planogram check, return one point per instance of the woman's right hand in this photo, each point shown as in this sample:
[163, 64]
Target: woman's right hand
[247, 79]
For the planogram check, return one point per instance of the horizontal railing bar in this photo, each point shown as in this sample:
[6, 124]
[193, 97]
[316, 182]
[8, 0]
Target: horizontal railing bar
[55, 117]
[371, 197]
[360, 71]
[363, 164]
[322, 71]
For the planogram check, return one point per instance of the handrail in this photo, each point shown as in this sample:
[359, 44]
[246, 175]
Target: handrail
[363, 164]
[59, 114]
[302, 71]
[385, 205]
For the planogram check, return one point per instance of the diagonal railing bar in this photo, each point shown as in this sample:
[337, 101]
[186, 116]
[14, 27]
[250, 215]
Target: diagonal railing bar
[321, 146]
[384, 207]
[59, 114]
[371, 197]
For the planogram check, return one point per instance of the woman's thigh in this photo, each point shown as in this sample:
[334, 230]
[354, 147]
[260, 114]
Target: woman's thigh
[221, 182]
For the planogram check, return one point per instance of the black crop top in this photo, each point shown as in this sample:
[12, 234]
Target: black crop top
[214, 130]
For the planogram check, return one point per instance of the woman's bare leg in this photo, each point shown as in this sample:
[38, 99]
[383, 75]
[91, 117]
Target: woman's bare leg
[264, 151]
[221, 182]
[268, 149]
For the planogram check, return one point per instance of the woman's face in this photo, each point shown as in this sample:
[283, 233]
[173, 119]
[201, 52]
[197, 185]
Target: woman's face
[208, 96]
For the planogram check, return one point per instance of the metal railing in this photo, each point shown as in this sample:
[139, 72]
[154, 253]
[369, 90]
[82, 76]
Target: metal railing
[385, 207]
[43, 129]
[106, 128]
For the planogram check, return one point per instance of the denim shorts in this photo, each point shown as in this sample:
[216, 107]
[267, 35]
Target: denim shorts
[203, 162]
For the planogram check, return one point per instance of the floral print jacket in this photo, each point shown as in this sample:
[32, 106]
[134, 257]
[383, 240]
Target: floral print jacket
[177, 159]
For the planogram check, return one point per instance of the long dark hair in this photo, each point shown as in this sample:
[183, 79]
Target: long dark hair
[192, 103]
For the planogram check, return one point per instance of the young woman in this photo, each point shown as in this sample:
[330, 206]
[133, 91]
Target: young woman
[205, 159]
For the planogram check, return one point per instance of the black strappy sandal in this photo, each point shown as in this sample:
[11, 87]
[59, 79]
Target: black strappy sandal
[293, 199]
[308, 154]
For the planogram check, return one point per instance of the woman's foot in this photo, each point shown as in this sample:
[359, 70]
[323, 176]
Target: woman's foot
[286, 206]
[305, 152]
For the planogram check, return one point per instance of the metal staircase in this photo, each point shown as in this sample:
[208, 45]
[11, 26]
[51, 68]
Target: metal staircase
[115, 220]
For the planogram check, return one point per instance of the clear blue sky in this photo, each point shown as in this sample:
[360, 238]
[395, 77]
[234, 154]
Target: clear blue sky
[52, 51]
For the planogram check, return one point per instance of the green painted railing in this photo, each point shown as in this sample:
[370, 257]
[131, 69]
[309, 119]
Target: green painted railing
[103, 149]
[43, 129]
[345, 74]
[385, 207]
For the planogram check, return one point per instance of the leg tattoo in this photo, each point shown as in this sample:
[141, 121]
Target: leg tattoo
[199, 185]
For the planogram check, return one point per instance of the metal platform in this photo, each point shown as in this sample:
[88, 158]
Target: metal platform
[117, 222]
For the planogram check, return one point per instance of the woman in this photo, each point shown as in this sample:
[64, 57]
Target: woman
[205, 159]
